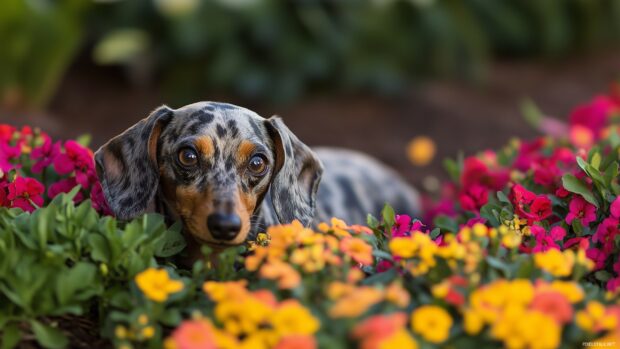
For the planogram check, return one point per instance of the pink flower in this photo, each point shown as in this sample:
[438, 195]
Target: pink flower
[23, 190]
[79, 159]
[606, 233]
[557, 233]
[476, 172]
[581, 210]
[401, 225]
[593, 115]
[614, 208]
[45, 155]
[98, 200]
[580, 242]
[64, 186]
[597, 256]
[613, 284]
[8, 153]
[546, 241]
[4, 201]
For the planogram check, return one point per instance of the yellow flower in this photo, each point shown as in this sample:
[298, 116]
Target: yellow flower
[472, 322]
[228, 290]
[511, 239]
[403, 247]
[595, 318]
[479, 229]
[433, 323]
[571, 290]
[120, 332]
[396, 294]
[291, 318]
[421, 150]
[157, 285]
[143, 319]
[519, 328]
[356, 303]
[401, 339]
[148, 332]
[555, 262]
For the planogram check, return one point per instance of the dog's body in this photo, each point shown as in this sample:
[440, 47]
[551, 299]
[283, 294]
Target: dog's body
[227, 173]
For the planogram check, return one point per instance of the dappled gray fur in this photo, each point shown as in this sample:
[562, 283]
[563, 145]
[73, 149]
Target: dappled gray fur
[140, 172]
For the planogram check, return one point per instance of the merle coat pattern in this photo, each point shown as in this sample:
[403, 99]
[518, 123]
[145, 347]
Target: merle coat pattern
[203, 159]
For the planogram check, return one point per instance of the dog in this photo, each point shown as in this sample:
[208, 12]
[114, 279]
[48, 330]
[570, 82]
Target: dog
[227, 173]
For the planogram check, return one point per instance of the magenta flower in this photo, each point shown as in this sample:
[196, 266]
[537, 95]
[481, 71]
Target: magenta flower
[593, 115]
[402, 223]
[474, 197]
[8, 153]
[606, 233]
[44, 154]
[98, 200]
[614, 208]
[24, 190]
[597, 256]
[581, 210]
[546, 241]
[529, 205]
[4, 201]
[79, 159]
[64, 186]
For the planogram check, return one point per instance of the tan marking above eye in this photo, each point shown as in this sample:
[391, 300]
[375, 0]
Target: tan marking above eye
[245, 150]
[204, 145]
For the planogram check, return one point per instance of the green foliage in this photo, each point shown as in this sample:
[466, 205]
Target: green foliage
[62, 259]
[39, 40]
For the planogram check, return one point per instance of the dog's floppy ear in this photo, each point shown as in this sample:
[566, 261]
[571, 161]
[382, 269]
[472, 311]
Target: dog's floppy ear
[296, 176]
[127, 165]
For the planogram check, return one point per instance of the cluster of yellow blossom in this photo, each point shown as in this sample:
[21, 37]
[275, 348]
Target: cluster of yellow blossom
[561, 263]
[157, 285]
[140, 330]
[246, 319]
[522, 314]
[293, 245]
[351, 301]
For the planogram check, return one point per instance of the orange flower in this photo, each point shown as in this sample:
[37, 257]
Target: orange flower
[296, 342]
[194, 334]
[553, 304]
[356, 303]
[421, 150]
[396, 294]
[376, 329]
[286, 275]
[357, 249]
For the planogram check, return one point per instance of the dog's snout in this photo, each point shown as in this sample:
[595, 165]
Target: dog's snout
[224, 226]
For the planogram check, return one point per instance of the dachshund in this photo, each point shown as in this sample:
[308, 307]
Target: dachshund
[227, 173]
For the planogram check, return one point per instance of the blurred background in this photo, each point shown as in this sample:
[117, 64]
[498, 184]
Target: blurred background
[365, 74]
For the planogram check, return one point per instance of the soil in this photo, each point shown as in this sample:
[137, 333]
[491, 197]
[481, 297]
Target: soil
[458, 116]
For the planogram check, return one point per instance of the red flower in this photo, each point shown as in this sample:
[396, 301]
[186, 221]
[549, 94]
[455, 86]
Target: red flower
[476, 172]
[581, 210]
[473, 197]
[529, 205]
[23, 190]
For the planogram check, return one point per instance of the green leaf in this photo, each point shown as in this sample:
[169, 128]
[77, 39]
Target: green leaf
[81, 276]
[446, 223]
[99, 248]
[435, 233]
[372, 222]
[48, 336]
[596, 160]
[388, 216]
[171, 243]
[531, 113]
[574, 185]
[10, 336]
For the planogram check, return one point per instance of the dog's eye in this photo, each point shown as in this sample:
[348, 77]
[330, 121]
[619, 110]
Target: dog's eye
[188, 157]
[257, 165]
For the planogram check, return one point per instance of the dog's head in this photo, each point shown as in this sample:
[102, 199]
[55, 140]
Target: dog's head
[211, 164]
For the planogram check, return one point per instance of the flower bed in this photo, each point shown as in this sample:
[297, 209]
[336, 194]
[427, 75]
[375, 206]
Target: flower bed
[521, 253]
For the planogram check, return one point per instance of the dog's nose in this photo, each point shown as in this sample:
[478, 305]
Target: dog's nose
[224, 226]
